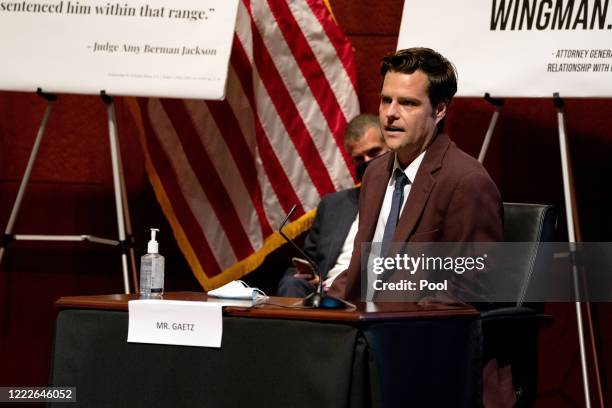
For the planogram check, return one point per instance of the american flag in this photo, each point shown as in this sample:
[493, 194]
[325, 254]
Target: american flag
[227, 172]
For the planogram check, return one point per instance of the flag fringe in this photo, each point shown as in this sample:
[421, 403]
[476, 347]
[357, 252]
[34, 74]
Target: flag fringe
[331, 12]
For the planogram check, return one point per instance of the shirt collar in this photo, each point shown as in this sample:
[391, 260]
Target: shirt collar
[410, 171]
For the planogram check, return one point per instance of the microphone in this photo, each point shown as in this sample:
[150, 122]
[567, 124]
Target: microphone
[318, 299]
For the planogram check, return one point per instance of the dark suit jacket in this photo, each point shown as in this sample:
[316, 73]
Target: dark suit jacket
[335, 214]
[452, 199]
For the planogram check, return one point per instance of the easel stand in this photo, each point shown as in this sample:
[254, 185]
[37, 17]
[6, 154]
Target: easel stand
[573, 232]
[121, 203]
[499, 104]
[574, 235]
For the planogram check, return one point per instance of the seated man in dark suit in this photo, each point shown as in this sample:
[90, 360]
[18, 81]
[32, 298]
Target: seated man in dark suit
[330, 240]
[426, 189]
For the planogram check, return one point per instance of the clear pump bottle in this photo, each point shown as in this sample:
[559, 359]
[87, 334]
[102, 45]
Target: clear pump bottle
[152, 270]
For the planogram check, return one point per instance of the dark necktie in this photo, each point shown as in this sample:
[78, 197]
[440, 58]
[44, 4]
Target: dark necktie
[396, 204]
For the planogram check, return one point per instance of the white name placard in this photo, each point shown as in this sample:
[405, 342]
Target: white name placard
[517, 48]
[175, 322]
[165, 48]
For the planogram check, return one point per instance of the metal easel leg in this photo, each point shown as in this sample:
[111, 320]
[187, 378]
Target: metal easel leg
[571, 232]
[128, 227]
[119, 205]
[8, 232]
[498, 103]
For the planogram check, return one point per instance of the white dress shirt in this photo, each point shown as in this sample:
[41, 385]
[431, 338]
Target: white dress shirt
[410, 171]
[342, 263]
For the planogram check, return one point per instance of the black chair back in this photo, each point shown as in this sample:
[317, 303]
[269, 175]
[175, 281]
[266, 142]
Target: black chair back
[529, 223]
[510, 334]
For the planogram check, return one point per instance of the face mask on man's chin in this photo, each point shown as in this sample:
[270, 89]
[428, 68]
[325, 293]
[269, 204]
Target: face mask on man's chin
[360, 169]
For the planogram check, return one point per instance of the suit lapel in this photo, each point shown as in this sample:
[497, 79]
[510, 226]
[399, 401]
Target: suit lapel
[421, 188]
[377, 187]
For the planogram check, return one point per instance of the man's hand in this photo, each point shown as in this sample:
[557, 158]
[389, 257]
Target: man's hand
[312, 279]
[305, 271]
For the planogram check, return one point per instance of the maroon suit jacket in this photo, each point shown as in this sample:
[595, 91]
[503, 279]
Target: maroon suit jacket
[452, 199]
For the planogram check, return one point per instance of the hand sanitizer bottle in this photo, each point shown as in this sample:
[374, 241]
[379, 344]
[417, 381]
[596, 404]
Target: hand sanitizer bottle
[152, 270]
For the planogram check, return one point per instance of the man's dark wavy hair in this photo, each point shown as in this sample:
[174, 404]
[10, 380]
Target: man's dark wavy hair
[440, 71]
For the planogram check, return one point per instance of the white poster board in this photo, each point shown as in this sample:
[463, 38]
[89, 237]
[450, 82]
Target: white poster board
[518, 48]
[165, 48]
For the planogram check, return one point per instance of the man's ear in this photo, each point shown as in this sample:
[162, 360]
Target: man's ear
[440, 111]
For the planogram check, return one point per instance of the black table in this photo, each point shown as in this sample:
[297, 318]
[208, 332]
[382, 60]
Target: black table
[378, 355]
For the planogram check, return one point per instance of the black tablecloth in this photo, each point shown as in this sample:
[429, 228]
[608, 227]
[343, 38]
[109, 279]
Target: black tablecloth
[272, 363]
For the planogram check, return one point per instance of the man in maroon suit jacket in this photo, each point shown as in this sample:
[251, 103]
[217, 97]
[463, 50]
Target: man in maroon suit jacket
[448, 196]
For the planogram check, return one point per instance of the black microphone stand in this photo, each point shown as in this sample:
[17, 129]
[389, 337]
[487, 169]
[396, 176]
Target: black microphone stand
[318, 299]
